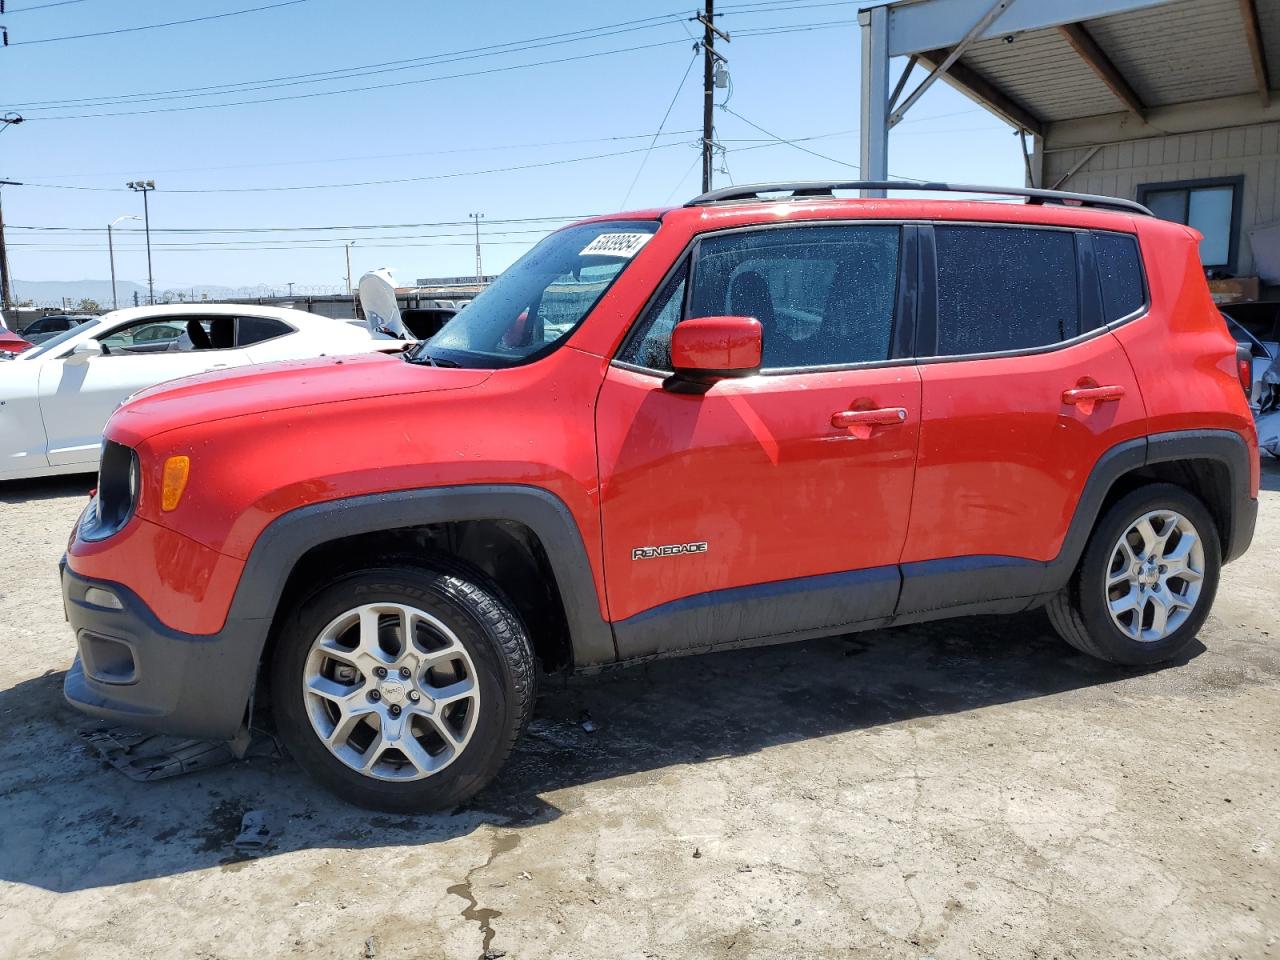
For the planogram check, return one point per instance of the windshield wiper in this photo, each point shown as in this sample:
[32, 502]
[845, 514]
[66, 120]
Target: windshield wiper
[421, 356]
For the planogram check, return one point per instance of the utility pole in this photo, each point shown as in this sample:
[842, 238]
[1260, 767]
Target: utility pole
[6, 296]
[477, 217]
[709, 60]
[290, 283]
[111, 252]
[144, 187]
[354, 313]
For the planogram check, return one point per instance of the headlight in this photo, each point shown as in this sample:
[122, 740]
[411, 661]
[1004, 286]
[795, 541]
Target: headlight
[119, 481]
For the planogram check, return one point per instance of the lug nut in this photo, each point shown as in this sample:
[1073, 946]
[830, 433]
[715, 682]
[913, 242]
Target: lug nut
[404, 672]
[380, 672]
[415, 696]
[375, 695]
[395, 711]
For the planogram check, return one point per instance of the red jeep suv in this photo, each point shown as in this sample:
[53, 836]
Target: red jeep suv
[773, 413]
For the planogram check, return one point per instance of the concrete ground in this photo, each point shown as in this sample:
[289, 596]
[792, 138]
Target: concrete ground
[966, 789]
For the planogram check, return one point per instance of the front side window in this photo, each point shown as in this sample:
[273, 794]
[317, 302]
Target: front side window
[824, 295]
[1209, 206]
[540, 299]
[1005, 288]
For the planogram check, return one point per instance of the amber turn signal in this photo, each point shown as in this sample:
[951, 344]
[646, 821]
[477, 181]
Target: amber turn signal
[174, 482]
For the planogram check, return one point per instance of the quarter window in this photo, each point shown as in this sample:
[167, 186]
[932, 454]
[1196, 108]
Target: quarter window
[650, 344]
[1005, 288]
[1119, 275]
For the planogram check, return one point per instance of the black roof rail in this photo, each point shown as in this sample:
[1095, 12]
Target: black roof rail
[827, 188]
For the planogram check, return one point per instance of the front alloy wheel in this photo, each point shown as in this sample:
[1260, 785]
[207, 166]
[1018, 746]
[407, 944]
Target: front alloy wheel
[391, 691]
[402, 688]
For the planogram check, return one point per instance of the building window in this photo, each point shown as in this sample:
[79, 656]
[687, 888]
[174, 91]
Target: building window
[1210, 206]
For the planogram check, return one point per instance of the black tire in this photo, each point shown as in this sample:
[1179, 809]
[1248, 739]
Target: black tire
[494, 638]
[1079, 612]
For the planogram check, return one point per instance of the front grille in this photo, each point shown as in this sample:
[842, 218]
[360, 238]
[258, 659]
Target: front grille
[117, 491]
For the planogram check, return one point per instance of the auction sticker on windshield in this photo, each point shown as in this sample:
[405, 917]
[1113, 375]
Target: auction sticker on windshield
[616, 245]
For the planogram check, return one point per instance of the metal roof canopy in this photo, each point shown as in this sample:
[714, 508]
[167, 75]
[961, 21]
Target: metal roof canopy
[1037, 63]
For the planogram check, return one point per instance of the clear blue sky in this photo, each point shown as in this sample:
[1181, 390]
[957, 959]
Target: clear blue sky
[794, 83]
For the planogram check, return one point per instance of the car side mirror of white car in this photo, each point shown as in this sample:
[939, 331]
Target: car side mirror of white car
[83, 350]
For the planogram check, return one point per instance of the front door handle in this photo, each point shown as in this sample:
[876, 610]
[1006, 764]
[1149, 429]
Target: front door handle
[861, 423]
[1085, 397]
[882, 417]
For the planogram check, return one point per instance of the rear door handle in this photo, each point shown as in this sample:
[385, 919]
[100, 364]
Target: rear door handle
[1086, 397]
[1092, 394]
[882, 417]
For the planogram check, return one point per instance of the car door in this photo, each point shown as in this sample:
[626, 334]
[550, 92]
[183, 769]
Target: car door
[78, 394]
[774, 504]
[22, 439]
[1024, 389]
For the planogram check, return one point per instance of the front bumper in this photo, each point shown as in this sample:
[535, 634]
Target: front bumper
[133, 669]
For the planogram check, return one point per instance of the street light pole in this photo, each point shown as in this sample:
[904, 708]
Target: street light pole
[477, 217]
[144, 187]
[111, 252]
[6, 297]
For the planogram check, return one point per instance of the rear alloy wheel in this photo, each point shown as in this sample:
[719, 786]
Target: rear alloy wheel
[1146, 581]
[401, 688]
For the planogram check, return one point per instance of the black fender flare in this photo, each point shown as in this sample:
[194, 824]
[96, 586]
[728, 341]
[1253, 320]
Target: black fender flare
[287, 538]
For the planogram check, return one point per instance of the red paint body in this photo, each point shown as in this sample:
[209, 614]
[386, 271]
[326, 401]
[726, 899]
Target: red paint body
[784, 475]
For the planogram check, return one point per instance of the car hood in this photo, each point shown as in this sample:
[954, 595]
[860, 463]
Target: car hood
[250, 391]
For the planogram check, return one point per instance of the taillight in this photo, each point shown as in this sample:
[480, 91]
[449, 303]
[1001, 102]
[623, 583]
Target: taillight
[1244, 367]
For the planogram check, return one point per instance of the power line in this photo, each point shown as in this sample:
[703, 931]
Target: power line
[45, 6]
[347, 73]
[675, 96]
[375, 86]
[790, 143]
[383, 156]
[372, 183]
[343, 228]
[763, 31]
[156, 26]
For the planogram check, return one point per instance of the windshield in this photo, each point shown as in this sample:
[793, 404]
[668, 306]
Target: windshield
[54, 342]
[540, 299]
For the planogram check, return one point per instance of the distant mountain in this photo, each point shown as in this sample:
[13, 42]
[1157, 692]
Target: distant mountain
[50, 293]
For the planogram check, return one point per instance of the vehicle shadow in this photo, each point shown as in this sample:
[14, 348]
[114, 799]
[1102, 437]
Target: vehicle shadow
[72, 823]
[47, 488]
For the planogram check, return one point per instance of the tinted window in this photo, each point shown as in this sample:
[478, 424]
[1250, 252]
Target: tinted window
[824, 295]
[650, 344]
[1119, 274]
[250, 330]
[1004, 288]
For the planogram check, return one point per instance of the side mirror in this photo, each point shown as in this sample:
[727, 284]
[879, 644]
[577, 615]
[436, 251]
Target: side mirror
[707, 349]
[85, 349]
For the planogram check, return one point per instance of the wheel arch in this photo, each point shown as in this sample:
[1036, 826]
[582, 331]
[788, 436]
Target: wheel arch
[514, 535]
[1211, 464]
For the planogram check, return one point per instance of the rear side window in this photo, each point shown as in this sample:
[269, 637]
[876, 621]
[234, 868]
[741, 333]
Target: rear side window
[1119, 275]
[251, 330]
[1005, 288]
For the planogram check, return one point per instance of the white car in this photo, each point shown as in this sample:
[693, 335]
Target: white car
[56, 397]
